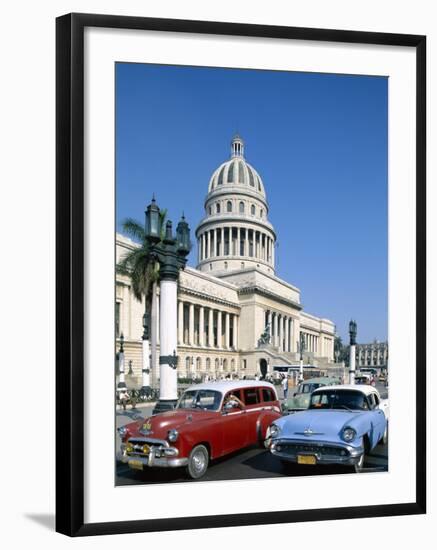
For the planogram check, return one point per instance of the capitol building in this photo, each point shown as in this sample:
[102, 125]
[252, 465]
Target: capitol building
[233, 296]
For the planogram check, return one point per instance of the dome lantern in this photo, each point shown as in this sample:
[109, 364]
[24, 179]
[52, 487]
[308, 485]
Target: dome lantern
[237, 147]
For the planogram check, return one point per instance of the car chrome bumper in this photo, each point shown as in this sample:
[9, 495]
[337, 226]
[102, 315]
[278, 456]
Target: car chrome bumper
[152, 460]
[289, 450]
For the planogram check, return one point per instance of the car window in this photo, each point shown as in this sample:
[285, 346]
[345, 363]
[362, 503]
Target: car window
[339, 399]
[202, 399]
[306, 388]
[251, 396]
[268, 395]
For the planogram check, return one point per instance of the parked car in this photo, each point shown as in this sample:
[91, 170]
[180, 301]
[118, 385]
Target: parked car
[342, 424]
[300, 399]
[210, 420]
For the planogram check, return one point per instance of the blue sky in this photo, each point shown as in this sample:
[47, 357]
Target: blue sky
[319, 141]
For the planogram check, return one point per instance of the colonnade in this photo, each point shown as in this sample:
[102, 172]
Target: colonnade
[236, 241]
[312, 343]
[282, 329]
[206, 327]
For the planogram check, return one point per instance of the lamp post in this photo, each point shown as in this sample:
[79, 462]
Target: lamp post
[121, 386]
[301, 350]
[353, 341]
[145, 388]
[171, 253]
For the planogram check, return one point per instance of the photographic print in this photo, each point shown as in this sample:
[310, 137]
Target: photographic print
[251, 282]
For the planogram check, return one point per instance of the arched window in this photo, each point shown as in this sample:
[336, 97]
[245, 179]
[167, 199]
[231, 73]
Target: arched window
[232, 364]
[252, 210]
[240, 172]
[220, 178]
[241, 207]
[231, 173]
[225, 364]
[216, 364]
[187, 364]
[261, 213]
[198, 364]
[210, 210]
[229, 206]
[208, 363]
[217, 208]
[251, 180]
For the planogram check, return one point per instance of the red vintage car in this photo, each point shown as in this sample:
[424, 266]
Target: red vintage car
[209, 421]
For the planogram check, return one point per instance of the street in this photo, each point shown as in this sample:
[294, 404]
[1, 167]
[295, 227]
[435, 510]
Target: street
[249, 463]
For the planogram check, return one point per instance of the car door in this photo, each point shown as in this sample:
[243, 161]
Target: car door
[233, 425]
[378, 419]
[254, 407]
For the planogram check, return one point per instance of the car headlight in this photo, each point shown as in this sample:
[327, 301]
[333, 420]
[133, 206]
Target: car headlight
[172, 435]
[122, 431]
[349, 434]
[274, 430]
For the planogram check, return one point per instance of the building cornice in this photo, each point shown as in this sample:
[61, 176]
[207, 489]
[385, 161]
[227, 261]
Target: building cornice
[255, 289]
[208, 297]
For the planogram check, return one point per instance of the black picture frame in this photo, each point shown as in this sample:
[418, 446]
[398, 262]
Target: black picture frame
[70, 273]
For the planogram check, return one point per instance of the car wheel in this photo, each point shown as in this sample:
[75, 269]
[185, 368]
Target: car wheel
[198, 462]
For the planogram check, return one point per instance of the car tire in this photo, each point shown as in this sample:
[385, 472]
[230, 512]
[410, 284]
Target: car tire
[198, 462]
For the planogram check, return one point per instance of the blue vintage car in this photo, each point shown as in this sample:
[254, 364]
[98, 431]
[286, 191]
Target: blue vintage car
[341, 425]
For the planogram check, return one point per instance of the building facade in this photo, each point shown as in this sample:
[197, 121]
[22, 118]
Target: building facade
[373, 355]
[233, 296]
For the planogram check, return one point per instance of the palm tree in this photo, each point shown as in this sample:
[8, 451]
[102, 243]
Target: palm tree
[142, 270]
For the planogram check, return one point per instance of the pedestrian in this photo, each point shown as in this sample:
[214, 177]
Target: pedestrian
[285, 386]
[124, 398]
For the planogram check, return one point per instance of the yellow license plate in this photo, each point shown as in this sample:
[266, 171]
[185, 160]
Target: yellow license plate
[306, 459]
[136, 464]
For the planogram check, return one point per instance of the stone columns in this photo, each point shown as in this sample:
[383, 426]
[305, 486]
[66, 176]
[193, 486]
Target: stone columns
[287, 334]
[222, 242]
[227, 327]
[246, 242]
[238, 241]
[235, 329]
[219, 329]
[180, 322]
[208, 244]
[211, 328]
[275, 330]
[281, 331]
[191, 325]
[201, 326]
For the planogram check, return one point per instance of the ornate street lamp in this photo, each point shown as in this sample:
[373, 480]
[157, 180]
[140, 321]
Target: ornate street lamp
[352, 342]
[145, 388]
[153, 222]
[301, 350]
[121, 386]
[171, 253]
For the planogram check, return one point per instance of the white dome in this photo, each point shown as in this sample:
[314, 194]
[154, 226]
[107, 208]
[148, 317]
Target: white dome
[236, 172]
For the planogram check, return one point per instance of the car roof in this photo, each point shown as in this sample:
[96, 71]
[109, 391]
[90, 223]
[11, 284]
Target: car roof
[320, 379]
[363, 388]
[228, 385]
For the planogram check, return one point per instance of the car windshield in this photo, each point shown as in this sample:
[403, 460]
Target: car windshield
[339, 399]
[200, 399]
[308, 388]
